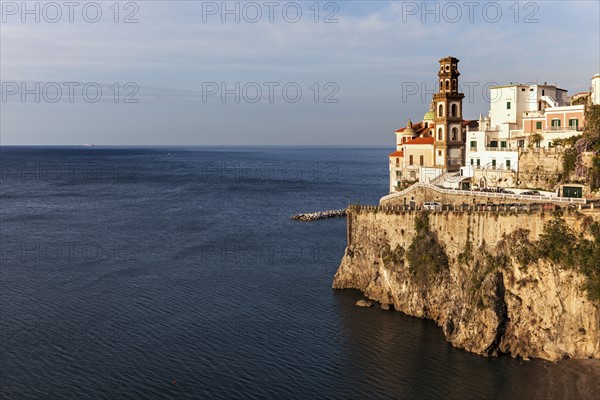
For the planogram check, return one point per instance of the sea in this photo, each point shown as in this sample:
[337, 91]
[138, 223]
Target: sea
[177, 273]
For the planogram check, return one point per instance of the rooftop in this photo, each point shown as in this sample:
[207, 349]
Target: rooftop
[421, 140]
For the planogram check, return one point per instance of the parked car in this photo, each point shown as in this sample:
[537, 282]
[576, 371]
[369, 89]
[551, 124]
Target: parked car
[531, 193]
[432, 206]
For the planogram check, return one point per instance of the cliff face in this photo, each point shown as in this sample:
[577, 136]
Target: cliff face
[484, 303]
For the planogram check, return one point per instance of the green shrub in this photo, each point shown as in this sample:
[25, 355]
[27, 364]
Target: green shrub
[559, 244]
[426, 255]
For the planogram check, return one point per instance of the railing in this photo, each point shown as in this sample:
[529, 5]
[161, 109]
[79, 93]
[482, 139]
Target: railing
[546, 199]
[562, 129]
[499, 149]
[499, 167]
[513, 208]
[547, 150]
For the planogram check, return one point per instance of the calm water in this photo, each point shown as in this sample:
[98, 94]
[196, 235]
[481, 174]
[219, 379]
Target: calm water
[177, 273]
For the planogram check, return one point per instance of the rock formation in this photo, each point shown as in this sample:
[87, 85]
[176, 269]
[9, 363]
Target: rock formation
[472, 274]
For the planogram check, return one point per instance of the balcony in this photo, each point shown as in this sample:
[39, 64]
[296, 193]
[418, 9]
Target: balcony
[550, 129]
[499, 149]
[498, 167]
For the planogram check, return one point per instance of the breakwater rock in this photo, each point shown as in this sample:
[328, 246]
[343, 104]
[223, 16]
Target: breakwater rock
[320, 215]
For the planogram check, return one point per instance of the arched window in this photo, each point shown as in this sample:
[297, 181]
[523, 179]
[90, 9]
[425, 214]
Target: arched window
[454, 134]
[441, 110]
[441, 85]
[447, 84]
[454, 108]
[426, 124]
[440, 134]
[454, 85]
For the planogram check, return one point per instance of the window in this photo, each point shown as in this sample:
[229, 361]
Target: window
[441, 110]
[573, 123]
[440, 135]
[472, 161]
[494, 143]
[447, 84]
[521, 143]
[493, 163]
[508, 105]
[478, 162]
[410, 160]
[503, 144]
[473, 145]
[543, 92]
[522, 89]
[398, 174]
[454, 134]
[538, 125]
[439, 153]
[556, 123]
[441, 85]
[454, 108]
[508, 164]
[421, 160]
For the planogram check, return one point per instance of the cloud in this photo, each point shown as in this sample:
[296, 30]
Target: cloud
[370, 52]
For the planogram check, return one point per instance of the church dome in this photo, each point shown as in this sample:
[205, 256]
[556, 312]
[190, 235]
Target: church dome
[429, 116]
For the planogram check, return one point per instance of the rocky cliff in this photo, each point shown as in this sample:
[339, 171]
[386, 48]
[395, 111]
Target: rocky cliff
[475, 274]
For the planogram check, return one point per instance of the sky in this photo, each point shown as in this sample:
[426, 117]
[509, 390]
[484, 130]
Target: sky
[341, 73]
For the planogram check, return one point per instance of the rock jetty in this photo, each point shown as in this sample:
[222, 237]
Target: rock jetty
[320, 215]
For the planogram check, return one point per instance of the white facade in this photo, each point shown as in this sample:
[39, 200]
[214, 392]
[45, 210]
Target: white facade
[596, 89]
[494, 147]
[508, 103]
[489, 150]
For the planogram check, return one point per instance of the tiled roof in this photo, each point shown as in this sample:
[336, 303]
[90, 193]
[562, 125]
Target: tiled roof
[420, 140]
[397, 154]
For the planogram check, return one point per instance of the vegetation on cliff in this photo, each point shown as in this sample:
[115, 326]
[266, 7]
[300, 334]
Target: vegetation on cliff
[560, 244]
[426, 255]
[574, 167]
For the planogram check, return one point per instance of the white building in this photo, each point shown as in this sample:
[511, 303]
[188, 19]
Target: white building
[508, 103]
[595, 91]
[517, 112]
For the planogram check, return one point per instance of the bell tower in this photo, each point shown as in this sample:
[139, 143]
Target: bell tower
[449, 143]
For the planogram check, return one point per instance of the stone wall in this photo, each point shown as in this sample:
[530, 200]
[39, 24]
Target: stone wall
[492, 178]
[535, 311]
[540, 168]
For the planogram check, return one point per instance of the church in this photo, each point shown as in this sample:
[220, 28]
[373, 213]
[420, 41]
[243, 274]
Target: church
[435, 146]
